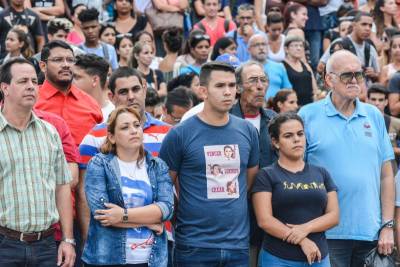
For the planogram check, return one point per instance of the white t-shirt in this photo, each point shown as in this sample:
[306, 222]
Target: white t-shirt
[193, 111]
[106, 110]
[137, 192]
[254, 120]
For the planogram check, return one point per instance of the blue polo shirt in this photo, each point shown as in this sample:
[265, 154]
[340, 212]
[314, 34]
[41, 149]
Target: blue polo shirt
[278, 78]
[352, 150]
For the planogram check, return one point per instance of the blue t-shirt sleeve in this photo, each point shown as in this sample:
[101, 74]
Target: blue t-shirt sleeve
[329, 184]
[262, 182]
[385, 144]
[254, 157]
[113, 58]
[397, 182]
[171, 150]
[285, 78]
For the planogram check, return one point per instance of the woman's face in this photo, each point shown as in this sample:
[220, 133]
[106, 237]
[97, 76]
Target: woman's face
[289, 105]
[291, 143]
[195, 86]
[300, 18]
[390, 7]
[12, 43]
[146, 56]
[201, 50]
[125, 48]
[123, 6]
[275, 30]
[128, 133]
[108, 36]
[344, 28]
[231, 50]
[395, 48]
[228, 152]
[295, 50]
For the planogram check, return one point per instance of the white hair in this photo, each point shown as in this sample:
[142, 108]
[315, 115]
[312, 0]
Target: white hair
[341, 55]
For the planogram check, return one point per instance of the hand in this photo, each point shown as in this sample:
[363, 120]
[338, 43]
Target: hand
[311, 251]
[247, 30]
[66, 255]
[157, 228]
[369, 72]
[386, 241]
[296, 234]
[111, 216]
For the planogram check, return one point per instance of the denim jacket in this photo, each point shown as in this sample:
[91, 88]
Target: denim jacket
[106, 245]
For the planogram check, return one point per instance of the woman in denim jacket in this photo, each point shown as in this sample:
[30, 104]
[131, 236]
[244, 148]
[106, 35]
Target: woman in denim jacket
[129, 195]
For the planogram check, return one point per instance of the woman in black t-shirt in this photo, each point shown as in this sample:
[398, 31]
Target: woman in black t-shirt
[294, 202]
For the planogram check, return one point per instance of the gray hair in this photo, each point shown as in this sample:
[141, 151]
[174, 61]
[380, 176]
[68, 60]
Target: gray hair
[246, 7]
[337, 56]
[240, 69]
[254, 36]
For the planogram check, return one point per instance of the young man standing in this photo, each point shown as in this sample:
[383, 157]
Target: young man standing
[89, 19]
[212, 218]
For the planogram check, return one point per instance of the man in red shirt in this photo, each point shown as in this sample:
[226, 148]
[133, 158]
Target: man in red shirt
[58, 95]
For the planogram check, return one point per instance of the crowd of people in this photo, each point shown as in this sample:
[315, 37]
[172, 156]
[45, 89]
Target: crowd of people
[199, 133]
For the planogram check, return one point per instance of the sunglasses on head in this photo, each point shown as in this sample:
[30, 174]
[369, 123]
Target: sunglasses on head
[201, 37]
[122, 35]
[347, 77]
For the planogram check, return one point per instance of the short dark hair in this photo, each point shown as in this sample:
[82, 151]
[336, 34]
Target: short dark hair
[274, 126]
[73, 10]
[280, 97]
[361, 14]
[152, 98]
[94, 65]
[185, 79]
[5, 71]
[222, 43]
[180, 96]
[377, 88]
[87, 15]
[123, 72]
[209, 67]
[54, 25]
[50, 46]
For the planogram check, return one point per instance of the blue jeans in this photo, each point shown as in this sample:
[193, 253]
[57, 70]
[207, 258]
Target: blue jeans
[267, 259]
[349, 253]
[15, 253]
[314, 38]
[185, 256]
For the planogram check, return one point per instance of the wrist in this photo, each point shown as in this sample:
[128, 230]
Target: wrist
[124, 215]
[70, 241]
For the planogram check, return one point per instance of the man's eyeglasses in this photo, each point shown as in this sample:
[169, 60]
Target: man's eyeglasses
[255, 80]
[60, 60]
[347, 77]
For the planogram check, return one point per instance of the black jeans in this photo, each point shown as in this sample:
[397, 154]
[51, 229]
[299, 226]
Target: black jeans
[349, 253]
[15, 253]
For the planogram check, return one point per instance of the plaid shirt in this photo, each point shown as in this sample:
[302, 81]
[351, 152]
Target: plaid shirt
[32, 163]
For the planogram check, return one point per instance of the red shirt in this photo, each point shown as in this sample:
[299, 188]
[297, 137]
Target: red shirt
[218, 32]
[79, 110]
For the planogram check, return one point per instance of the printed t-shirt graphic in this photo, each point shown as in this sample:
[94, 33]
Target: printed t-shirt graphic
[137, 192]
[222, 171]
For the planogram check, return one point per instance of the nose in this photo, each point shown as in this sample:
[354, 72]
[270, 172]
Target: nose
[131, 95]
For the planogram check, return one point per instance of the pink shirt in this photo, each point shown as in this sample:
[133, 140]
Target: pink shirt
[218, 32]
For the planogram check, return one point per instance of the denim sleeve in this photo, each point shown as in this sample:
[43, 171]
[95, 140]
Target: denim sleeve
[95, 185]
[164, 195]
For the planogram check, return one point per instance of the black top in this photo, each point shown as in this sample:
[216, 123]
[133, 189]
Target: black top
[332, 35]
[152, 76]
[9, 18]
[141, 22]
[297, 198]
[301, 82]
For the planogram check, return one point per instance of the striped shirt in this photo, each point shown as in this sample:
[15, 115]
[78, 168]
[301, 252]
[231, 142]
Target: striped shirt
[32, 163]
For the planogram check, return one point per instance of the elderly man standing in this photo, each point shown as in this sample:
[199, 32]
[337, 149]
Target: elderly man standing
[357, 153]
[34, 185]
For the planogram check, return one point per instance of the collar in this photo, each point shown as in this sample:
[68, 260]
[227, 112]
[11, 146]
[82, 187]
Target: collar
[331, 110]
[237, 111]
[4, 122]
[47, 90]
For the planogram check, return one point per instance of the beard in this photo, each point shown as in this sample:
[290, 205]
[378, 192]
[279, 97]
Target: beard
[60, 83]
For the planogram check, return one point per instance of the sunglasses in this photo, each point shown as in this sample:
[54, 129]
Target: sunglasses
[122, 35]
[347, 77]
[201, 37]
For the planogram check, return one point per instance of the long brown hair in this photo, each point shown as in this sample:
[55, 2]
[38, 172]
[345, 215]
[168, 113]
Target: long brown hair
[108, 146]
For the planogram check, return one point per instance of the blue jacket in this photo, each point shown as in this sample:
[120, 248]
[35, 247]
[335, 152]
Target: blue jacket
[106, 245]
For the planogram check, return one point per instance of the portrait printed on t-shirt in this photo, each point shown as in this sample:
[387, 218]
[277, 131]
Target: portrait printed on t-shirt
[222, 171]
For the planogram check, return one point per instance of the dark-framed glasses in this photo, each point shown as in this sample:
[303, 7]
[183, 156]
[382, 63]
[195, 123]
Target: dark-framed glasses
[347, 77]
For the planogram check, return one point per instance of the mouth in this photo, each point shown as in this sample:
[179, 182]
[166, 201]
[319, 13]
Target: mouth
[298, 148]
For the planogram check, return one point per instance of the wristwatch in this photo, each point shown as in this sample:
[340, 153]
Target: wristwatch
[125, 216]
[69, 241]
[388, 224]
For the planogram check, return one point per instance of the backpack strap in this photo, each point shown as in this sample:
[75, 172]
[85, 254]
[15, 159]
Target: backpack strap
[227, 22]
[105, 51]
[348, 45]
[367, 53]
[201, 26]
[235, 36]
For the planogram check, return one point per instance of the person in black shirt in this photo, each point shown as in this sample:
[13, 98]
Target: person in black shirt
[294, 202]
[17, 14]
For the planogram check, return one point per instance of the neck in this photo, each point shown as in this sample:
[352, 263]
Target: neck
[143, 69]
[355, 38]
[18, 117]
[248, 109]
[293, 25]
[292, 59]
[172, 56]
[262, 62]
[200, 62]
[123, 62]
[15, 53]
[387, 20]
[17, 8]
[60, 87]
[98, 95]
[92, 44]
[212, 117]
[344, 106]
[127, 155]
[211, 19]
[125, 16]
[290, 164]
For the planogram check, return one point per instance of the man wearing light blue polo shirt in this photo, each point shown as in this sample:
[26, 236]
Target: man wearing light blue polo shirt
[356, 150]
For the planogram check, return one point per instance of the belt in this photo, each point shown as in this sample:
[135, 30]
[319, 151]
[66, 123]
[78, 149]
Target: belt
[26, 237]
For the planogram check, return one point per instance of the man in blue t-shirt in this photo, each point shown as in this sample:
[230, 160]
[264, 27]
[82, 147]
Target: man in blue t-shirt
[89, 19]
[356, 151]
[213, 158]
[278, 77]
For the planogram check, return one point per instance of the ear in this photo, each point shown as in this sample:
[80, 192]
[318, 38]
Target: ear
[220, 51]
[386, 102]
[95, 81]
[275, 143]
[329, 80]
[43, 66]
[280, 104]
[4, 89]
[203, 91]
[111, 138]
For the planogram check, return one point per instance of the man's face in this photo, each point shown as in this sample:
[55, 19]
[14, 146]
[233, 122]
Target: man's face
[23, 89]
[17, 3]
[83, 80]
[221, 91]
[176, 115]
[255, 84]
[258, 49]
[58, 68]
[245, 17]
[346, 90]
[130, 92]
[60, 35]
[211, 8]
[91, 30]
[362, 28]
[378, 100]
